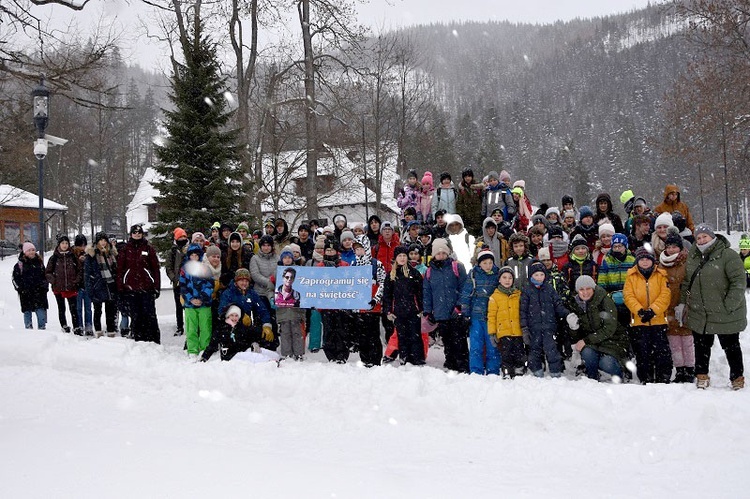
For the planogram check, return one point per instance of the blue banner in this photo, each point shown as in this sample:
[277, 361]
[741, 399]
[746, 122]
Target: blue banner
[347, 288]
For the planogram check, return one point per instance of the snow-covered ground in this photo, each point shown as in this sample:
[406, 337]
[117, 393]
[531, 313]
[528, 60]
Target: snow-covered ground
[112, 418]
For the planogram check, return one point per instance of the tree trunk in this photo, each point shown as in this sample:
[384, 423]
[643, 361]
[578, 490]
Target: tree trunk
[311, 120]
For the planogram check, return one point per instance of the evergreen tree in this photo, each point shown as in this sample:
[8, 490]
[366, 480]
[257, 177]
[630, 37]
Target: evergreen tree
[198, 162]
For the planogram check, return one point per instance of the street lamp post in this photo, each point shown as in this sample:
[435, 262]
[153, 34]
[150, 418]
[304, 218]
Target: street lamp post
[40, 96]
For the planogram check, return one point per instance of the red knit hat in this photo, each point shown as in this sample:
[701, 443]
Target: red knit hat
[179, 233]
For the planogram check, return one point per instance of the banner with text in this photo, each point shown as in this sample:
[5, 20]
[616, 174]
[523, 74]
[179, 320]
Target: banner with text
[323, 287]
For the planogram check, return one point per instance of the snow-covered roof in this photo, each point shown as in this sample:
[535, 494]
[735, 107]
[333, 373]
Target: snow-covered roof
[13, 197]
[348, 187]
[146, 193]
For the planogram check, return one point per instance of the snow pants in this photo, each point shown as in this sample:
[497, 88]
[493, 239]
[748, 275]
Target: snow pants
[453, 332]
[367, 327]
[409, 331]
[512, 355]
[198, 323]
[683, 350]
[110, 314]
[291, 341]
[484, 358]
[141, 308]
[335, 325]
[542, 344]
[314, 330]
[652, 354]
[730, 343]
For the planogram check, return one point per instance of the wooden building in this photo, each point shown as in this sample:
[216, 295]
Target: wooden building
[19, 215]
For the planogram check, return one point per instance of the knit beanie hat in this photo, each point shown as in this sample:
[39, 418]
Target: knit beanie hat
[241, 273]
[427, 179]
[243, 226]
[567, 200]
[331, 243]
[579, 240]
[517, 190]
[704, 229]
[400, 250]
[673, 238]
[294, 248]
[504, 176]
[585, 281]
[61, 238]
[642, 253]
[584, 211]
[197, 236]
[493, 175]
[412, 174]
[543, 254]
[179, 233]
[745, 242]
[554, 231]
[320, 242]
[639, 201]
[347, 234]
[440, 245]
[80, 240]
[235, 236]
[484, 254]
[287, 251]
[519, 183]
[99, 236]
[537, 266]
[664, 219]
[506, 270]
[28, 246]
[233, 310]
[569, 214]
[538, 219]
[552, 210]
[467, 172]
[213, 250]
[606, 229]
[626, 196]
[194, 249]
[620, 239]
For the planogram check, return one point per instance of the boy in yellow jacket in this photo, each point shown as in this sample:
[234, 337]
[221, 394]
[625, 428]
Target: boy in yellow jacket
[504, 324]
[647, 297]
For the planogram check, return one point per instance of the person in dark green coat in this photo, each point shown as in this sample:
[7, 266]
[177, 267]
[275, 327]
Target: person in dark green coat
[598, 334]
[713, 303]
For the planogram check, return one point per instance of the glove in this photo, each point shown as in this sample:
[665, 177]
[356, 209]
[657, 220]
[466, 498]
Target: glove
[391, 317]
[646, 315]
[572, 321]
[157, 293]
[267, 332]
[679, 313]
[526, 336]
[255, 347]
[246, 320]
[372, 303]
[430, 318]
[493, 340]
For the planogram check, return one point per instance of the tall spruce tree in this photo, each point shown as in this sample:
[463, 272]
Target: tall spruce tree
[198, 162]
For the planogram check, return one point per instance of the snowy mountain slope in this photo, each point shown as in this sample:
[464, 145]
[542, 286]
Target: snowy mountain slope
[112, 418]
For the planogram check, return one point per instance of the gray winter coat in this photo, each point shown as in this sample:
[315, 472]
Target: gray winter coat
[262, 267]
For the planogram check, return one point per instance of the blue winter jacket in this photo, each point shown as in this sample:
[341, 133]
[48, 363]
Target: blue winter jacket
[540, 308]
[249, 302]
[476, 292]
[442, 287]
[348, 256]
[198, 284]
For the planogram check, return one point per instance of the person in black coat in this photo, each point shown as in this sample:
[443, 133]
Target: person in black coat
[30, 281]
[232, 336]
[540, 308]
[402, 303]
[100, 269]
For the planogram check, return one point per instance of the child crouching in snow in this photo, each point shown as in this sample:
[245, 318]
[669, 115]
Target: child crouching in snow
[480, 284]
[540, 306]
[233, 339]
[504, 324]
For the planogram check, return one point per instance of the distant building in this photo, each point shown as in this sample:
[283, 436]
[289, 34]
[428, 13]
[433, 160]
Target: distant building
[142, 208]
[19, 215]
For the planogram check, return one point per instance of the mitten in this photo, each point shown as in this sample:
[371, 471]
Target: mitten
[267, 332]
[246, 320]
[572, 321]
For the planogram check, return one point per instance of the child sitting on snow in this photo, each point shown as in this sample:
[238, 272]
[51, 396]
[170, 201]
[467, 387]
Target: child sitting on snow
[234, 339]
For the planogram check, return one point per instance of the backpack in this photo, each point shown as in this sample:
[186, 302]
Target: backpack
[454, 265]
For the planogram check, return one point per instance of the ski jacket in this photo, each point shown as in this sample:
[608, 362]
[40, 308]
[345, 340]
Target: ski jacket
[229, 340]
[138, 267]
[62, 271]
[249, 302]
[641, 293]
[96, 283]
[540, 307]
[476, 292]
[469, 206]
[263, 271]
[402, 295]
[442, 286]
[499, 197]
[504, 313]
[384, 251]
[444, 199]
[599, 327]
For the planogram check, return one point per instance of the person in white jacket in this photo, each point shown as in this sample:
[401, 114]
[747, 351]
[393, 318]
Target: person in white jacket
[461, 241]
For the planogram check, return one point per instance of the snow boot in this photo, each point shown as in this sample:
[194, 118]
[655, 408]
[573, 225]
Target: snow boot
[179, 332]
[679, 376]
[738, 383]
[702, 381]
[111, 334]
[78, 331]
[125, 332]
[66, 329]
[689, 374]
[98, 334]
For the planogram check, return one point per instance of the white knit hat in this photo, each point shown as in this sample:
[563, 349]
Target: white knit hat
[606, 229]
[543, 254]
[482, 255]
[439, 245]
[664, 219]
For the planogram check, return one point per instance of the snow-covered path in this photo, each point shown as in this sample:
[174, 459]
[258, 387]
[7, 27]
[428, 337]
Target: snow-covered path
[112, 418]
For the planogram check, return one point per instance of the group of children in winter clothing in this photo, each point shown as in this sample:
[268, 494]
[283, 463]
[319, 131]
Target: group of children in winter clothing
[538, 286]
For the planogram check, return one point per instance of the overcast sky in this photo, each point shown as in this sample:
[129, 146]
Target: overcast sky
[373, 13]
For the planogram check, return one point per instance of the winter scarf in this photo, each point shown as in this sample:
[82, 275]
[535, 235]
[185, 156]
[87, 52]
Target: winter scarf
[669, 261]
[215, 272]
[559, 247]
[705, 247]
[106, 261]
[581, 303]
[657, 244]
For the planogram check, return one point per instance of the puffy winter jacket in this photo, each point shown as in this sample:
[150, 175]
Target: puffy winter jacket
[469, 206]
[442, 287]
[613, 271]
[678, 205]
[262, 270]
[198, 284]
[249, 302]
[138, 267]
[96, 285]
[403, 295]
[716, 302]
[499, 197]
[540, 307]
[233, 339]
[444, 199]
[384, 251]
[62, 271]
[476, 292]
[173, 263]
[675, 276]
[504, 313]
[653, 293]
[575, 268]
[599, 327]
[31, 283]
